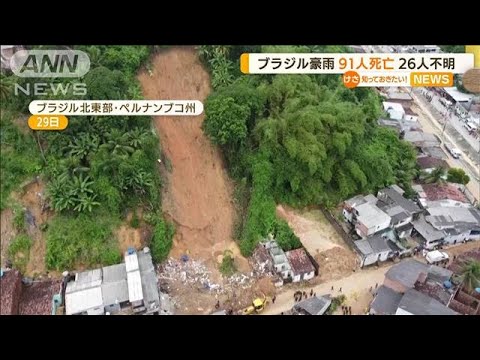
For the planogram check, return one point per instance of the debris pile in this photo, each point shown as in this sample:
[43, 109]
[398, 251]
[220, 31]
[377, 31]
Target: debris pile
[261, 262]
[189, 272]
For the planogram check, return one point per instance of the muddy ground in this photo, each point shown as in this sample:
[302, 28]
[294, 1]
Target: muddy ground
[197, 195]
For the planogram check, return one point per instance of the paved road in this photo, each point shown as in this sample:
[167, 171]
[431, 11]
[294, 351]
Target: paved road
[431, 124]
[454, 131]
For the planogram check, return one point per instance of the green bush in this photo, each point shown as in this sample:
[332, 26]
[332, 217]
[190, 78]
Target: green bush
[135, 222]
[19, 218]
[19, 251]
[20, 156]
[162, 240]
[82, 240]
[285, 237]
[227, 267]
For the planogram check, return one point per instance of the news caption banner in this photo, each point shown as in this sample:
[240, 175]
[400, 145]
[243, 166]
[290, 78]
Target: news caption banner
[51, 114]
[364, 69]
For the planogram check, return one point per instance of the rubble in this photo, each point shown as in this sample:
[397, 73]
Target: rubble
[191, 272]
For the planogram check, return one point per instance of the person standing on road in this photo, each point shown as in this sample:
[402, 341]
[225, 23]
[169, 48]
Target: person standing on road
[273, 299]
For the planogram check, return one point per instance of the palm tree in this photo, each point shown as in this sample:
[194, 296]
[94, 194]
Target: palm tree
[81, 185]
[117, 143]
[83, 145]
[436, 176]
[471, 275]
[139, 181]
[61, 195]
[86, 202]
[95, 55]
[221, 72]
[137, 137]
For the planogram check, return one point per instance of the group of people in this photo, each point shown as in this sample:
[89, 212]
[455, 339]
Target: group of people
[299, 295]
[347, 310]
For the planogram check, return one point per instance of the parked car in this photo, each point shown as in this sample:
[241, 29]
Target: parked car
[453, 151]
[470, 126]
[435, 257]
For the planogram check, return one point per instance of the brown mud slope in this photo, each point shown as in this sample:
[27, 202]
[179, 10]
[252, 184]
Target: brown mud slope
[197, 194]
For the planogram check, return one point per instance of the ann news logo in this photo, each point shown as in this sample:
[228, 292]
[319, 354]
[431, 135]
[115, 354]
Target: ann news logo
[50, 63]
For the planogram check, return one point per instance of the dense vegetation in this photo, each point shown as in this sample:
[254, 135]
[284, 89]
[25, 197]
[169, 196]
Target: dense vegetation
[20, 156]
[298, 139]
[96, 169]
[19, 251]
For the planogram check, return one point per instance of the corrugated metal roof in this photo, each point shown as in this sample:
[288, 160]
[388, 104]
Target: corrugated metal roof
[131, 262]
[316, 305]
[85, 280]
[115, 292]
[134, 281]
[83, 300]
[386, 301]
[114, 273]
[370, 215]
[417, 303]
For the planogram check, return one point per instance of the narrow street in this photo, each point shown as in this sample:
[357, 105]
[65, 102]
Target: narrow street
[355, 287]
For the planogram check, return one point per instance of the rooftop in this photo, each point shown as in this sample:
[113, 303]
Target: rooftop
[425, 229]
[373, 244]
[392, 197]
[435, 151]
[10, 291]
[370, 215]
[315, 305]
[417, 303]
[458, 96]
[452, 217]
[135, 280]
[408, 271]
[443, 191]
[397, 95]
[420, 138]
[299, 261]
[360, 199]
[386, 301]
[393, 106]
[430, 162]
[37, 298]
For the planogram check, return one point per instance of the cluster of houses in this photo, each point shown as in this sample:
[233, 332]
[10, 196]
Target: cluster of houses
[127, 288]
[285, 266]
[415, 288]
[390, 225]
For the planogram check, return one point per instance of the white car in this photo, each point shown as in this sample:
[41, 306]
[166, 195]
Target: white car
[470, 126]
[434, 257]
[453, 151]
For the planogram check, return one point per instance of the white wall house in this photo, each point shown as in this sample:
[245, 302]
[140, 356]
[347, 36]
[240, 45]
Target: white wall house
[370, 220]
[301, 266]
[394, 110]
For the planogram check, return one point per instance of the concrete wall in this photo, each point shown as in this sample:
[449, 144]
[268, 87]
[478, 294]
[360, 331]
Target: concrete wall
[394, 285]
[451, 239]
[309, 275]
[405, 222]
[410, 117]
[347, 215]
[300, 277]
[373, 258]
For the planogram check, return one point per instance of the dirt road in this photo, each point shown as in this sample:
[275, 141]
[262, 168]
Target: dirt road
[355, 287]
